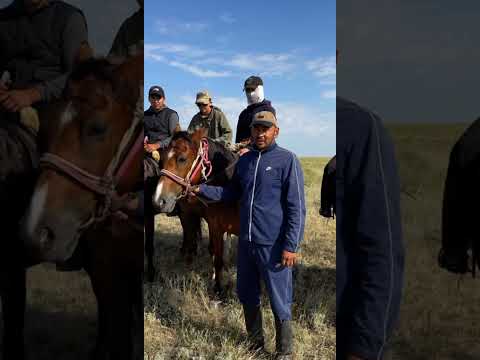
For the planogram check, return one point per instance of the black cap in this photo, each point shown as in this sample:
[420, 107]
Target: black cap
[253, 82]
[156, 90]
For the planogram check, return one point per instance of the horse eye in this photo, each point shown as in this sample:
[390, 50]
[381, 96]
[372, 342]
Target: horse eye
[97, 128]
[182, 160]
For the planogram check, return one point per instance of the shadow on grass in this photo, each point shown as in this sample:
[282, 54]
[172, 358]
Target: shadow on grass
[53, 335]
[314, 288]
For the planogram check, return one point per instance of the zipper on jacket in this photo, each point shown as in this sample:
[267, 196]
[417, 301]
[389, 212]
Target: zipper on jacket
[253, 196]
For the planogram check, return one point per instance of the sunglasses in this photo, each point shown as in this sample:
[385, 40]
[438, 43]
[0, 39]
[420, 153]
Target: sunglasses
[249, 90]
[155, 97]
[202, 105]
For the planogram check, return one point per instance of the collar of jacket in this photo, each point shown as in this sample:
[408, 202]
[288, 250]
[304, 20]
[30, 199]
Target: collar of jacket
[272, 146]
[152, 111]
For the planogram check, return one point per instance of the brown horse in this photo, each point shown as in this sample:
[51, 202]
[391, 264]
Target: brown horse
[94, 150]
[189, 160]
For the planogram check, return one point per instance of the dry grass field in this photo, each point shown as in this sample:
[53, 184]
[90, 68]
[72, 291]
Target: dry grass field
[440, 316]
[182, 320]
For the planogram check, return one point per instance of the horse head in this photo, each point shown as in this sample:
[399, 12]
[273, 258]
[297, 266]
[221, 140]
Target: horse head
[76, 178]
[182, 163]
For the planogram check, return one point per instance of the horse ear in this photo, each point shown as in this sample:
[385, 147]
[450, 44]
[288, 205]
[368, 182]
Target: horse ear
[84, 53]
[128, 80]
[198, 135]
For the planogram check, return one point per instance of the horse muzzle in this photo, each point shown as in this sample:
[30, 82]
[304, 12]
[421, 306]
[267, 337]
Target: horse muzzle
[164, 204]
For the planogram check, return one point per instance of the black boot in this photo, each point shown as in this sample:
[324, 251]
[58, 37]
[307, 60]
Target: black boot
[254, 325]
[283, 339]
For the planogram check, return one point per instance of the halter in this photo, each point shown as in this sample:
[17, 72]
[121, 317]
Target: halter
[102, 186]
[201, 163]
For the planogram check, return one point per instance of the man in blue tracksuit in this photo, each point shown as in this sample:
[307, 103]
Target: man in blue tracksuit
[268, 182]
[370, 253]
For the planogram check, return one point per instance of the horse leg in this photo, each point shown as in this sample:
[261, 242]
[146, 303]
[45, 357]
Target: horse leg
[191, 234]
[114, 339]
[149, 246]
[13, 294]
[149, 219]
[136, 292]
[120, 321]
[216, 238]
[100, 351]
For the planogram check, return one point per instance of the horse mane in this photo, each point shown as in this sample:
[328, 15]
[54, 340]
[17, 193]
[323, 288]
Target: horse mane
[99, 68]
[184, 135]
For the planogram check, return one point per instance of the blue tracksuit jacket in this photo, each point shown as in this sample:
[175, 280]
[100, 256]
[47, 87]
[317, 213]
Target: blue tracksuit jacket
[370, 253]
[270, 187]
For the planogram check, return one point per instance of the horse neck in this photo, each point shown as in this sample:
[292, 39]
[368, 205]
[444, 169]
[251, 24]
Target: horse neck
[222, 160]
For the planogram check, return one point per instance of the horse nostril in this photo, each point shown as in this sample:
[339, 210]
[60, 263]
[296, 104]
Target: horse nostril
[159, 203]
[46, 238]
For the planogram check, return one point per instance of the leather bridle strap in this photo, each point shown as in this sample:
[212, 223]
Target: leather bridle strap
[102, 186]
[175, 178]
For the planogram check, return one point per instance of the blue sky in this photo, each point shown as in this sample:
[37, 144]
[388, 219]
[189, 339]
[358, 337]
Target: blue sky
[213, 45]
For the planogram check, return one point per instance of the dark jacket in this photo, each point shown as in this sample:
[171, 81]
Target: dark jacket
[370, 253]
[39, 49]
[461, 198]
[328, 189]
[160, 126]
[246, 116]
[270, 187]
[129, 39]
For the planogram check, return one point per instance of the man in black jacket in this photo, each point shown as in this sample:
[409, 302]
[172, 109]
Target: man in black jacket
[160, 123]
[370, 253]
[254, 91]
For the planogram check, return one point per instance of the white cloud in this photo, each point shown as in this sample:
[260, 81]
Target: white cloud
[294, 118]
[174, 49]
[219, 63]
[194, 60]
[329, 94]
[171, 26]
[263, 64]
[323, 67]
[195, 70]
[227, 18]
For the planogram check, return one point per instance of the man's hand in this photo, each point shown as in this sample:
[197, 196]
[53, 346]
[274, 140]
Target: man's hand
[288, 258]
[16, 100]
[243, 151]
[151, 147]
[194, 190]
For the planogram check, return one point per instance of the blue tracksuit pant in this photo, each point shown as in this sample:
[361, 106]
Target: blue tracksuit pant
[263, 262]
